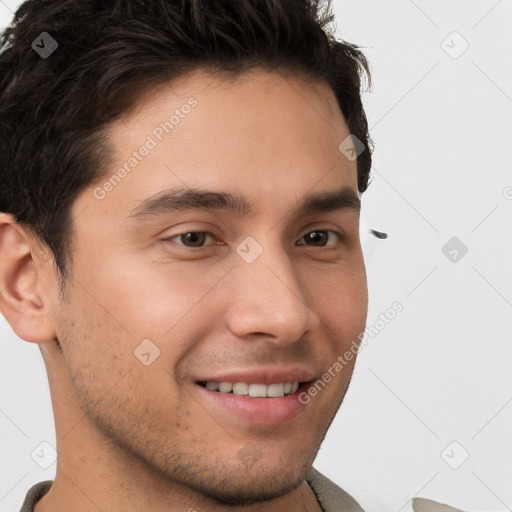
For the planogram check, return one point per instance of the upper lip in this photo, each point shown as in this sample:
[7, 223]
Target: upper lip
[262, 376]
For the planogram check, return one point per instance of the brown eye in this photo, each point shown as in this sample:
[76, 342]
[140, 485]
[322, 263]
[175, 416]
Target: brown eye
[191, 239]
[317, 238]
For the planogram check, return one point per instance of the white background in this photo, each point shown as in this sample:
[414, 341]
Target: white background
[440, 371]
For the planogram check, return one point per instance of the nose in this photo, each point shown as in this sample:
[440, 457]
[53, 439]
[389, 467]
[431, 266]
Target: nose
[267, 299]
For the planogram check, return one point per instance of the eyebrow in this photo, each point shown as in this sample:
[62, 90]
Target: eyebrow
[169, 201]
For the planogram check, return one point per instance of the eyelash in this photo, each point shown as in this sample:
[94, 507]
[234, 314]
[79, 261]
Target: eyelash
[171, 239]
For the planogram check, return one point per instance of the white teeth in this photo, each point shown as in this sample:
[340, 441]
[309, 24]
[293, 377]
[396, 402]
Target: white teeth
[241, 388]
[254, 390]
[258, 390]
[275, 390]
[225, 387]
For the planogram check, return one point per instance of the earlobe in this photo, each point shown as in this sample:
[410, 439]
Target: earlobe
[21, 301]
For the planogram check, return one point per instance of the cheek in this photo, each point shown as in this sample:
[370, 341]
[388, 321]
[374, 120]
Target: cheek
[355, 299]
[96, 349]
[105, 373]
[97, 341]
[340, 299]
[149, 298]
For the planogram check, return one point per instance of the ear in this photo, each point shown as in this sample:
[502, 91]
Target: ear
[23, 297]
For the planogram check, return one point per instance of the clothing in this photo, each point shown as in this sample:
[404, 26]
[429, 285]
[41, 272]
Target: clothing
[424, 505]
[35, 493]
[330, 497]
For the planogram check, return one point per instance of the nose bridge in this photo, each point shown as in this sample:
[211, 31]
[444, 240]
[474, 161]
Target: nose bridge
[267, 296]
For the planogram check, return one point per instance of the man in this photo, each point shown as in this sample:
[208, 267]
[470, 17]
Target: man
[180, 188]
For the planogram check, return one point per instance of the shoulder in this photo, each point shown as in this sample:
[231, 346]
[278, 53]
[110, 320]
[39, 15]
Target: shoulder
[34, 494]
[331, 497]
[426, 505]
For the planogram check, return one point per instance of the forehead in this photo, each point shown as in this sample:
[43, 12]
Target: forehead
[202, 108]
[257, 86]
[260, 133]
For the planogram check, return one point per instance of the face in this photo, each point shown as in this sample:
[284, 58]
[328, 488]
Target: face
[227, 251]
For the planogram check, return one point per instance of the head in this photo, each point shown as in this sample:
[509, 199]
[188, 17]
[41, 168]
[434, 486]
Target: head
[176, 208]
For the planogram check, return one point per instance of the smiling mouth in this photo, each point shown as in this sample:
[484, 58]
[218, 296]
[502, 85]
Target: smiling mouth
[254, 390]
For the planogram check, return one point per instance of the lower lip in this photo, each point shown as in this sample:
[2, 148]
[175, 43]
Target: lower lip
[260, 411]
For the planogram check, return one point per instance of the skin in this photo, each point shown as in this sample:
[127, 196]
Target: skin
[133, 437]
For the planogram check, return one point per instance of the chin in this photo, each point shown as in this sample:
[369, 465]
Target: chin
[255, 487]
